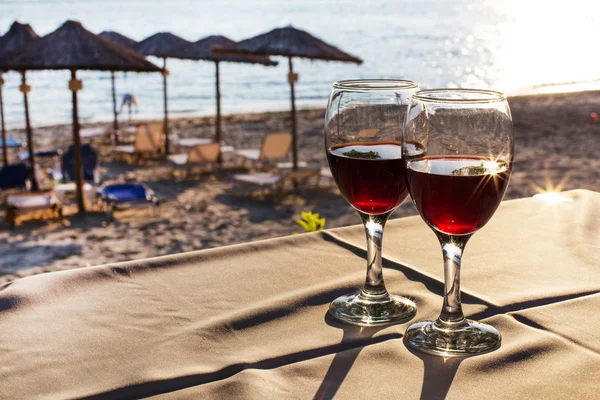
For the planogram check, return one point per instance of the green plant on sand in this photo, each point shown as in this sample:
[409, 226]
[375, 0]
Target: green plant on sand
[311, 222]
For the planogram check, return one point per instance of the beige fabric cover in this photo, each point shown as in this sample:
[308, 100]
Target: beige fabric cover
[250, 321]
[149, 138]
[276, 146]
[204, 153]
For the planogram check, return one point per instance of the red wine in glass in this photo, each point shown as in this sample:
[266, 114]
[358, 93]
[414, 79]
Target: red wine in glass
[370, 176]
[457, 195]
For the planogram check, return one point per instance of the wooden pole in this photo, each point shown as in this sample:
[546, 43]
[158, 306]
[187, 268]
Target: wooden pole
[25, 89]
[291, 79]
[166, 123]
[218, 121]
[114, 99]
[4, 144]
[74, 86]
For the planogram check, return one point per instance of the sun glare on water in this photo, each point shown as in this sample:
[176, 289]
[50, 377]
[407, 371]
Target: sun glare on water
[541, 40]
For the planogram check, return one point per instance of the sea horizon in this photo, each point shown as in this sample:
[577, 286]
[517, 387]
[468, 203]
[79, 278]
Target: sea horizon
[457, 43]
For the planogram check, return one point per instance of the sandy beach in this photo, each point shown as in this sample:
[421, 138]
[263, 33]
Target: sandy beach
[555, 148]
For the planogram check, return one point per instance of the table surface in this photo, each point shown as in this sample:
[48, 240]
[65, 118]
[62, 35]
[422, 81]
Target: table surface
[250, 321]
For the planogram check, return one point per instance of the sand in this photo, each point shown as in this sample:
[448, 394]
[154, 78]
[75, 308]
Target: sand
[556, 147]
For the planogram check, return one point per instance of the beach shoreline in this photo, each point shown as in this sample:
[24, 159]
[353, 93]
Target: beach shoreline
[555, 149]
[545, 89]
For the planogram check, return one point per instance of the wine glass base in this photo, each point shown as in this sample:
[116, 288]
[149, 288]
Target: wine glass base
[364, 310]
[468, 338]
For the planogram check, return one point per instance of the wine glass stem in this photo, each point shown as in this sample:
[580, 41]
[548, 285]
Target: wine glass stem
[452, 249]
[374, 224]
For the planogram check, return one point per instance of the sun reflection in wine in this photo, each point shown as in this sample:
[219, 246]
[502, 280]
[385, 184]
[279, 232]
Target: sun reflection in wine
[494, 167]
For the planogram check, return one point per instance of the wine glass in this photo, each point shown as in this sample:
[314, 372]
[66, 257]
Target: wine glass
[363, 134]
[456, 183]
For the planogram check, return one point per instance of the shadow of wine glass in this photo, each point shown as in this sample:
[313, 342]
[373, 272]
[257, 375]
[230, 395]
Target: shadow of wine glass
[438, 374]
[355, 338]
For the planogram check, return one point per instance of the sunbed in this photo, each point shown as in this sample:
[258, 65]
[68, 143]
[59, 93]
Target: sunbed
[24, 155]
[275, 148]
[89, 162]
[11, 142]
[14, 176]
[120, 196]
[148, 143]
[276, 182]
[198, 156]
[17, 204]
[367, 133]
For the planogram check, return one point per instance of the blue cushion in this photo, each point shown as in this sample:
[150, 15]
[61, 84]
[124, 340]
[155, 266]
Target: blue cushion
[11, 142]
[24, 155]
[14, 176]
[124, 192]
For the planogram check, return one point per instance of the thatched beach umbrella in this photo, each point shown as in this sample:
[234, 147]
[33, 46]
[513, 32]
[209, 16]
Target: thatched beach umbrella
[124, 41]
[201, 50]
[73, 48]
[119, 39]
[157, 45]
[17, 35]
[290, 42]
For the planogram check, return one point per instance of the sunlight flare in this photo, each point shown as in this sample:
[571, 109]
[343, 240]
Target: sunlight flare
[554, 197]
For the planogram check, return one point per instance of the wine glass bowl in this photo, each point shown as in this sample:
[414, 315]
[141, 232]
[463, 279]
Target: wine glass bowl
[363, 140]
[456, 184]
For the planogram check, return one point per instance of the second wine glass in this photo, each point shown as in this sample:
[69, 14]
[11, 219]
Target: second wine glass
[457, 184]
[363, 134]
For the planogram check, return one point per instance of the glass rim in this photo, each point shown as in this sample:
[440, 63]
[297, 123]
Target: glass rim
[479, 96]
[375, 84]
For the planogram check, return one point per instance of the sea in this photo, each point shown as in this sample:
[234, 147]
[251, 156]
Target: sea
[513, 46]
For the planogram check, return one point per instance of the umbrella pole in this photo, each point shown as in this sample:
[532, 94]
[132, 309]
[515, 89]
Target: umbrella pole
[25, 89]
[166, 123]
[293, 97]
[114, 99]
[74, 86]
[218, 120]
[4, 144]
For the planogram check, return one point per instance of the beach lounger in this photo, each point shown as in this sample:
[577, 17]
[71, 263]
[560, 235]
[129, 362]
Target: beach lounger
[276, 182]
[94, 132]
[62, 190]
[367, 133]
[276, 147]
[45, 158]
[120, 196]
[89, 161]
[15, 177]
[24, 203]
[24, 155]
[198, 156]
[148, 143]
[11, 142]
[283, 165]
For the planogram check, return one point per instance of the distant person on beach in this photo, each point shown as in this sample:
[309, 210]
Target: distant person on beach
[129, 100]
